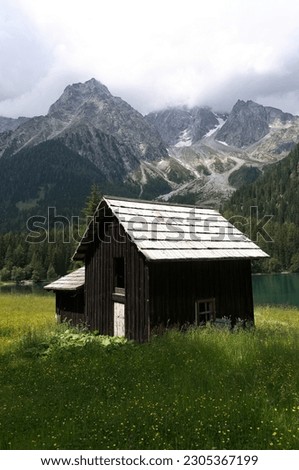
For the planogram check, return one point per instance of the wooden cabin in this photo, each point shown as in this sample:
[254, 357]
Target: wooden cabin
[69, 292]
[149, 265]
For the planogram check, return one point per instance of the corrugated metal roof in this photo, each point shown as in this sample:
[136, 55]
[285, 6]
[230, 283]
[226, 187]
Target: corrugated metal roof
[72, 281]
[176, 232]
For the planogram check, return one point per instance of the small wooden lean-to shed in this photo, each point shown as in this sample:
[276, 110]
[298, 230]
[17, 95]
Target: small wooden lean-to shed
[148, 265]
[69, 292]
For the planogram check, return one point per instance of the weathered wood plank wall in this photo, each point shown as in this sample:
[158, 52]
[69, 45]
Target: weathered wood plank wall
[70, 306]
[175, 286]
[100, 284]
[160, 293]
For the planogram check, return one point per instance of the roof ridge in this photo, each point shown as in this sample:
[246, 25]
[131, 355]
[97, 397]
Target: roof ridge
[162, 203]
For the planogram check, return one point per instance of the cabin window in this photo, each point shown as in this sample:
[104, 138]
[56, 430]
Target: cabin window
[204, 311]
[119, 273]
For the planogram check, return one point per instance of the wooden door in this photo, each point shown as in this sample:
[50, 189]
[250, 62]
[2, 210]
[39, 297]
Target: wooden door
[119, 319]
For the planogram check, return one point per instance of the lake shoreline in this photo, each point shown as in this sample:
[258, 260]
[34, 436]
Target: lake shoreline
[268, 289]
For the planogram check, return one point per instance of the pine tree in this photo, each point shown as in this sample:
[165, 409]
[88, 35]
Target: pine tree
[38, 270]
[51, 274]
[5, 275]
[8, 261]
[92, 201]
[17, 274]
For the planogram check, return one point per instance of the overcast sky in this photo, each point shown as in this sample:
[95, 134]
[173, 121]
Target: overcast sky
[152, 53]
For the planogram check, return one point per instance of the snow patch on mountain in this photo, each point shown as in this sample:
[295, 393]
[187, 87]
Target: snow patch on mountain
[222, 142]
[215, 129]
[182, 151]
[185, 139]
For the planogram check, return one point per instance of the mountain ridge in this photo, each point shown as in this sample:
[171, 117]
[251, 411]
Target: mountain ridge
[89, 113]
[10, 124]
[178, 154]
[222, 150]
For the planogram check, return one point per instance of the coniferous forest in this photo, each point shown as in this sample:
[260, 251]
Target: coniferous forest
[40, 256]
[275, 193]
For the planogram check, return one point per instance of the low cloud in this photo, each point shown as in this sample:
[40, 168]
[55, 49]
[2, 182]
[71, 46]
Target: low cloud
[153, 54]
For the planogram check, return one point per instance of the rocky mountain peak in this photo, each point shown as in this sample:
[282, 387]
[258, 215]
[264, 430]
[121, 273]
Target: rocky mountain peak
[247, 107]
[91, 87]
[74, 96]
[106, 140]
[90, 121]
[249, 122]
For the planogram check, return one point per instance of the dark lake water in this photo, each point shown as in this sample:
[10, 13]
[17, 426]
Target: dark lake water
[20, 289]
[268, 289]
[276, 289]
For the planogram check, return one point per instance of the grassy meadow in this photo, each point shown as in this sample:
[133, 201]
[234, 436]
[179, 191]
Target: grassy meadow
[201, 389]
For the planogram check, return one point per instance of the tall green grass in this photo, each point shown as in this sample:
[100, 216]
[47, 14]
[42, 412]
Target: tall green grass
[202, 389]
[22, 314]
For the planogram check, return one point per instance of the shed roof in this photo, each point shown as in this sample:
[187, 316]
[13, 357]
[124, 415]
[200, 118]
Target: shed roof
[164, 231]
[72, 281]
